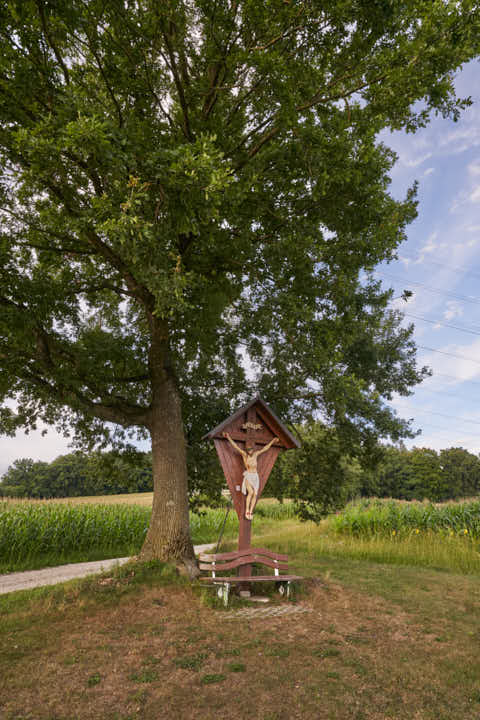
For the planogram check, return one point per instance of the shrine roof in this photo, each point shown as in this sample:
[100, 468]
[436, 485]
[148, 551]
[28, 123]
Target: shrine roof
[257, 400]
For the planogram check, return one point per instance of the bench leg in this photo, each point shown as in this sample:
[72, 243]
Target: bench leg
[223, 592]
[284, 589]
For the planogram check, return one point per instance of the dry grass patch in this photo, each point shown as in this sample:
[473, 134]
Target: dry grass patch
[160, 652]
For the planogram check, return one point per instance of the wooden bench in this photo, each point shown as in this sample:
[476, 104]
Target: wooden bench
[218, 564]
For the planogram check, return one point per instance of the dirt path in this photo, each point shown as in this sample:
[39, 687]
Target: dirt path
[51, 576]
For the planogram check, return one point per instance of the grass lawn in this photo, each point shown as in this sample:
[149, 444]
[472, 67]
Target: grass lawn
[381, 638]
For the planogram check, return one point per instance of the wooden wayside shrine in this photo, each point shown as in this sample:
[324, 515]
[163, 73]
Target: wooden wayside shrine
[251, 428]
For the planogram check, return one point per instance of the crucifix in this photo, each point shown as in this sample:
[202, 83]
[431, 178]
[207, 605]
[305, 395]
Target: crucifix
[248, 444]
[251, 481]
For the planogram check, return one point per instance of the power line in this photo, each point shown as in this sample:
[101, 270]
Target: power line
[440, 264]
[440, 392]
[448, 430]
[449, 417]
[440, 322]
[454, 377]
[444, 352]
[456, 296]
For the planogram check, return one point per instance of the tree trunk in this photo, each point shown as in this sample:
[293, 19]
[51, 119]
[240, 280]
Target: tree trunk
[168, 536]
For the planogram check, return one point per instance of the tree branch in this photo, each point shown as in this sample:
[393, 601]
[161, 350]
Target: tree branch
[50, 41]
[252, 132]
[179, 86]
[154, 94]
[61, 251]
[243, 99]
[138, 290]
[105, 80]
[256, 149]
[132, 378]
[119, 413]
[74, 250]
[88, 289]
[91, 173]
[216, 71]
[117, 410]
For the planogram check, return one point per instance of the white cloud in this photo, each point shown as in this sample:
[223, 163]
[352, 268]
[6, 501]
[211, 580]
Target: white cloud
[442, 439]
[467, 244]
[459, 361]
[405, 261]
[465, 198]
[430, 245]
[475, 195]
[474, 168]
[415, 161]
[441, 139]
[461, 139]
[454, 310]
[440, 250]
[449, 430]
[460, 199]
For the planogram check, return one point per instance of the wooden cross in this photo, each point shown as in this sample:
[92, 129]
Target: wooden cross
[252, 429]
[254, 433]
[254, 426]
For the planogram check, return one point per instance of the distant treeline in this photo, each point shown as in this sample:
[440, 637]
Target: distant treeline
[417, 474]
[424, 473]
[78, 474]
[319, 471]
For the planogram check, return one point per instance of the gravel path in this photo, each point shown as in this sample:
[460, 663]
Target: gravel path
[53, 575]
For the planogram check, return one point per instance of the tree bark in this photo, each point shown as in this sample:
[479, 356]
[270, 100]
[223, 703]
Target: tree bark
[168, 536]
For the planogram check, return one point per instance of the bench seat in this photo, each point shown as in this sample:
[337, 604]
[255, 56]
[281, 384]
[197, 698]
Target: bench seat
[217, 564]
[253, 578]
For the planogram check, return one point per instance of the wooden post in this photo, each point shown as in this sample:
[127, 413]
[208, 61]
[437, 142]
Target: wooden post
[245, 526]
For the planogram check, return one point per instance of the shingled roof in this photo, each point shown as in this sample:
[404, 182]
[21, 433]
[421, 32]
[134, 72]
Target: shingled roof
[290, 441]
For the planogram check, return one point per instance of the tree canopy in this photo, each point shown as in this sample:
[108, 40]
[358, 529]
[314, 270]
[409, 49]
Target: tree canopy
[78, 474]
[424, 473]
[191, 195]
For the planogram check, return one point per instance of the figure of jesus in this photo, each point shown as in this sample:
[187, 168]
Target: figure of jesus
[251, 481]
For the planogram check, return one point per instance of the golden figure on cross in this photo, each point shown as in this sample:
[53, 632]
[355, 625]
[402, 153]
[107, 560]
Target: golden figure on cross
[251, 481]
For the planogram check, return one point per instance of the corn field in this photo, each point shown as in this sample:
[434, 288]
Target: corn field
[69, 532]
[30, 530]
[205, 527]
[368, 518]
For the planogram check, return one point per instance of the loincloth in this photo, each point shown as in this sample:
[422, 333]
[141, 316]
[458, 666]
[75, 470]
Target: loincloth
[253, 480]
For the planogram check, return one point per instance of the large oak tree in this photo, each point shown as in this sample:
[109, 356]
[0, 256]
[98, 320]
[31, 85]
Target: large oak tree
[190, 187]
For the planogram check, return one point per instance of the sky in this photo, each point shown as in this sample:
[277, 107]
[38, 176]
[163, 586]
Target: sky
[439, 262]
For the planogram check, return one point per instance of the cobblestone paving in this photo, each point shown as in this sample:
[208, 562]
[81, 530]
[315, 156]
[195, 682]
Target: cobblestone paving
[251, 613]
